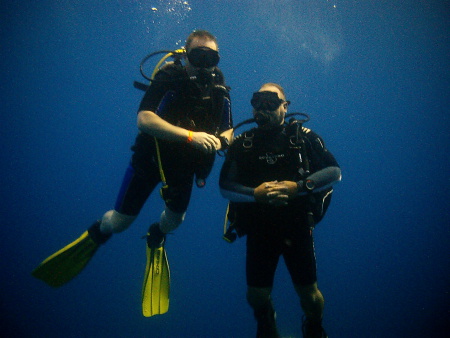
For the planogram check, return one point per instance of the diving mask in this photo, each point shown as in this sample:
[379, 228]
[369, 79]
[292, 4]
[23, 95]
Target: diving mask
[203, 57]
[266, 101]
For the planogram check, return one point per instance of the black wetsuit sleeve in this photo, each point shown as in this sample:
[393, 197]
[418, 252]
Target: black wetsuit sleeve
[323, 179]
[230, 188]
[156, 90]
[326, 171]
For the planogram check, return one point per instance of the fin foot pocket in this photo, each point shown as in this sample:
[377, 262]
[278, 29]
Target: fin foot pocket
[155, 237]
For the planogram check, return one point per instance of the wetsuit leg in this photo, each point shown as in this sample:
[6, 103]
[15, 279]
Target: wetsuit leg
[179, 175]
[263, 253]
[137, 185]
[299, 255]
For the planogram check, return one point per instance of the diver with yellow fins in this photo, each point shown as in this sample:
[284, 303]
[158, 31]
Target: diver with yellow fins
[184, 118]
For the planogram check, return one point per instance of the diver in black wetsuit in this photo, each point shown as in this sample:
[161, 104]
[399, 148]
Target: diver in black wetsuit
[183, 119]
[187, 109]
[278, 179]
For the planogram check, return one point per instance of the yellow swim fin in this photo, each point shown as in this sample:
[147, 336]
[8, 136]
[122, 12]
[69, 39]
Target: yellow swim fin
[156, 288]
[65, 264]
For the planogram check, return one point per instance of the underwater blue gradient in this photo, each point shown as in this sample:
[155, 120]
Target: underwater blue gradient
[374, 77]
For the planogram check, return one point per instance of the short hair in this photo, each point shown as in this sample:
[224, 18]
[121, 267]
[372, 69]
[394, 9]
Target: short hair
[200, 34]
[276, 86]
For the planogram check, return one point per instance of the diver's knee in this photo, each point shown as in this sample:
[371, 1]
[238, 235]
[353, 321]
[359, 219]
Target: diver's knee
[309, 294]
[306, 290]
[114, 222]
[170, 220]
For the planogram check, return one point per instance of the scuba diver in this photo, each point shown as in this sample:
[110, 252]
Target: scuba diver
[278, 178]
[183, 119]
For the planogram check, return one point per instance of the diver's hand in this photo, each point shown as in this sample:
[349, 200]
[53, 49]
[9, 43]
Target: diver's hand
[272, 193]
[205, 142]
[288, 188]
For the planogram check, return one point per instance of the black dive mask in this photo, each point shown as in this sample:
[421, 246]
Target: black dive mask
[203, 57]
[266, 101]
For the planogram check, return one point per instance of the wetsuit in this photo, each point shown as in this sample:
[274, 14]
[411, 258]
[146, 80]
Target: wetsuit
[187, 104]
[258, 156]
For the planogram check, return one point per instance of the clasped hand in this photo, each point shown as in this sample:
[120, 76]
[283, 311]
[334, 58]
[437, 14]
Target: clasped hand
[276, 193]
[205, 142]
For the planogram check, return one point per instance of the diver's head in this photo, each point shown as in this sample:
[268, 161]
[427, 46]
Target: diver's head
[269, 106]
[197, 35]
[202, 52]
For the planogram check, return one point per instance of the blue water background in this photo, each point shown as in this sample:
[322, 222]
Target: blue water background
[374, 77]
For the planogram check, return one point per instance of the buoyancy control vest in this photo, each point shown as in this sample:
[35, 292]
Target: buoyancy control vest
[194, 105]
[286, 154]
[187, 103]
